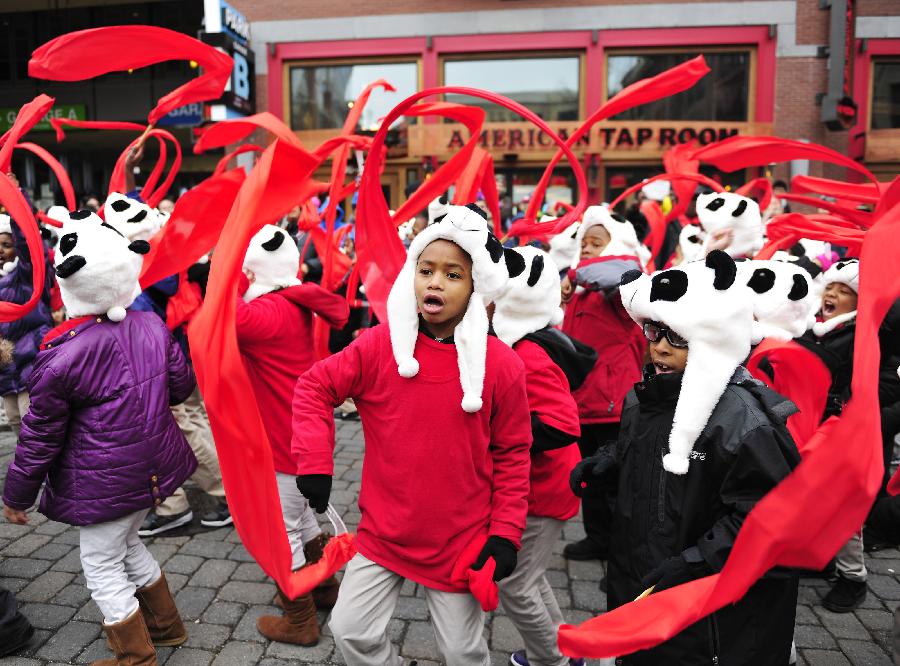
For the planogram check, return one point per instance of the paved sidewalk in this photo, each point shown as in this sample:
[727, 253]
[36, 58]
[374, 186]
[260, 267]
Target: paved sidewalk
[221, 591]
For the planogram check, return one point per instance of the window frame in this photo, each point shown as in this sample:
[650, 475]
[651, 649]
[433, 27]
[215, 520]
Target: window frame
[475, 56]
[288, 65]
[697, 49]
[870, 97]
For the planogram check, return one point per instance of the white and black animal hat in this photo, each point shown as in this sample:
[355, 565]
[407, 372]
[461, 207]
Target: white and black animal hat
[705, 303]
[134, 219]
[97, 267]
[845, 271]
[467, 227]
[726, 210]
[623, 239]
[530, 300]
[563, 246]
[438, 208]
[690, 240]
[274, 259]
[5, 224]
[785, 299]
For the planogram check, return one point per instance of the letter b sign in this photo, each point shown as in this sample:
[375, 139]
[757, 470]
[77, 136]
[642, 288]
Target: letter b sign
[240, 77]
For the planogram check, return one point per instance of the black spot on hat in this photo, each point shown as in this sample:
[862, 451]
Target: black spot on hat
[494, 248]
[70, 266]
[668, 286]
[67, 243]
[740, 208]
[515, 262]
[120, 205]
[477, 209]
[112, 228]
[617, 217]
[138, 218]
[274, 242]
[629, 276]
[537, 267]
[694, 238]
[762, 280]
[439, 218]
[724, 267]
[82, 214]
[443, 200]
[715, 204]
[800, 288]
[139, 247]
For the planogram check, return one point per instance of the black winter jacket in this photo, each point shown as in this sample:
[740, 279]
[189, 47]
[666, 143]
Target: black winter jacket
[743, 452]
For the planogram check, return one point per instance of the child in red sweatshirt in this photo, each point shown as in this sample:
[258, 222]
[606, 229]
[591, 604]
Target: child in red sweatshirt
[274, 330]
[523, 316]
[445, 419]
[607, 247]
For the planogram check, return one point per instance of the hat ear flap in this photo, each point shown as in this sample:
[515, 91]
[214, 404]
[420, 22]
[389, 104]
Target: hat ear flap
[403, 320]
[471, 350]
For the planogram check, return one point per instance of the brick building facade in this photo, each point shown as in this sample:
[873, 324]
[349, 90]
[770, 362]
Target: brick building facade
[771, 54]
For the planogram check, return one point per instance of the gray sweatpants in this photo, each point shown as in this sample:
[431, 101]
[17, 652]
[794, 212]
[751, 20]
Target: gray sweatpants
[528, 598]
[369, 594]
[850, 560]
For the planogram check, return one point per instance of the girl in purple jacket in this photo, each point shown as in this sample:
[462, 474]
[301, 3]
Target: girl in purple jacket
[101, 437]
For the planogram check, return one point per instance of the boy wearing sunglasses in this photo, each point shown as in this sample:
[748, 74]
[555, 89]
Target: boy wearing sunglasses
[701, 442]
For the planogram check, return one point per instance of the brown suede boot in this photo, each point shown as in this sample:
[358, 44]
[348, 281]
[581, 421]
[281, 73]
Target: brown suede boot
[130, 642]
[298, 625]
[160, 613]
[326, 593]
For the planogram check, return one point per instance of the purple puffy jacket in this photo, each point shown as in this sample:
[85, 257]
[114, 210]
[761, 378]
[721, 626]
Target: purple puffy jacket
[100, 430]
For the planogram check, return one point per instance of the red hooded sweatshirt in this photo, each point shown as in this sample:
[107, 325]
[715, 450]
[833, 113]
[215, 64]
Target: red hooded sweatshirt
[435, 478]
[275, 336]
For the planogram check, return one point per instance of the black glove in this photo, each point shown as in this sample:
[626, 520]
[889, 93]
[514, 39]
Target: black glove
[592, 470]
[316, 488]
[504, 553]
[674, 571]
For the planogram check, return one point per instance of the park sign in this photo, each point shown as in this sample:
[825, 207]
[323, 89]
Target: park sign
[60, 111]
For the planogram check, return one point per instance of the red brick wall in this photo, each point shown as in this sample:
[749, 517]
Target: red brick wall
[878, 8]
[812, 22]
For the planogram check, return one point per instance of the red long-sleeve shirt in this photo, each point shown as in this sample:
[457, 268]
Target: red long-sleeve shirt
[434, 477]
[275, 336]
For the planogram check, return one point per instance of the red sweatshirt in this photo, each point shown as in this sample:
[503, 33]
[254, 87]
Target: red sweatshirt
[434, 477]
[274, 335]
[550, 400]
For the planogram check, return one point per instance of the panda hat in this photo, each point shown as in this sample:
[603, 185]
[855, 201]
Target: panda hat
[563, 246]
[274, 259]
[726, 210]
[133, 219]
[845, 271]
[5, 224]
[785, 299]
[530, 300]
[705, 303]
[623, 240]
[690, 240]
[97, 267]
[466, 226]
[438, 208]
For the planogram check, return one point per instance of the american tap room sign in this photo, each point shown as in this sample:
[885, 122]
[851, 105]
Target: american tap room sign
[614, 140]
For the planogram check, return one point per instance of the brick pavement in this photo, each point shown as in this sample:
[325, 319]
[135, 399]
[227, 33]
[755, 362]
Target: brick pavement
[221, 591]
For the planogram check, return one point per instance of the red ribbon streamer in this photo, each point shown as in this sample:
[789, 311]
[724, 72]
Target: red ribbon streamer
[29, 116]
[240, 150]
[865, 192]
[759, 189]
[20, 211]
[785, 230]
[809, 515]
[228, 132]
[65, 183]
[86, 54]
[678, 159]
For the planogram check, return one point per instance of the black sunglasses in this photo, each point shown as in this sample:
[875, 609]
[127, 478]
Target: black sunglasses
[653, 332]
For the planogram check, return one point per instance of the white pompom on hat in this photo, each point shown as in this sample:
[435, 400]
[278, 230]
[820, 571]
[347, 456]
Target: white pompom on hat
[466, 226]
[727, 210]
[705, 303]
[97, 268]
[530, 301]
[657, 190]
[132, 218]
[274, 259]
[785, 299]
[623, 238]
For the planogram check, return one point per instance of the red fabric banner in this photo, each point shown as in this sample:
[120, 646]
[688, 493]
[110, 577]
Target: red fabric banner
[674, 177]
[62, 176]
[20, 211]
[29, 116]
[245, 456]
[860, 218]
[758, 189]
[679, 159]
[864, 192]
[59, 124]
[741, 152]
[86, 54]
[151, 197]
[783, 231]
[652, 212]
[228, 132]
[809, 515]
[222, 165]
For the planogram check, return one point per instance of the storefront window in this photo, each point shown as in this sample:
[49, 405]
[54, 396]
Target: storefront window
[721, 95]
[546, 85]
[323, 94]
[886, 94]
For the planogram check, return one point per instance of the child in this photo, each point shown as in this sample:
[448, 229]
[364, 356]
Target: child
[101, 435]
[701, 443]
[447, 430]
[554, 363]
[274, 330]
[607, 248]
[24, 334]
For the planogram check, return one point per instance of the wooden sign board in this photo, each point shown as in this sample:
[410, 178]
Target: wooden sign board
[883, 145]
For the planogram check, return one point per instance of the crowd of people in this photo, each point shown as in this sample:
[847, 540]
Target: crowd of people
[557, 373]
